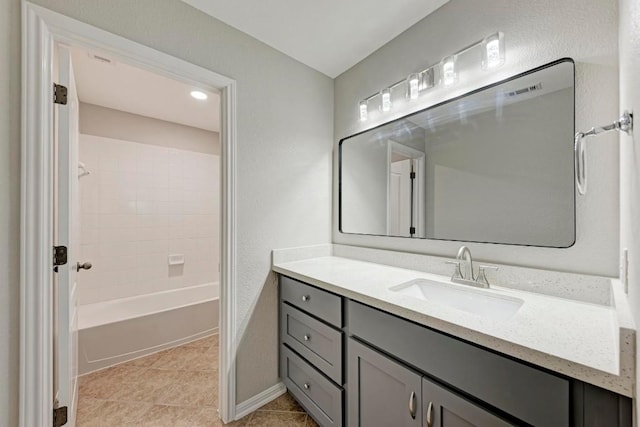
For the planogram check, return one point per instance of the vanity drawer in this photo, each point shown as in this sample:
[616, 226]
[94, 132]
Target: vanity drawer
[529, 394]
[319, 396]
[317, 302]
[318, 343]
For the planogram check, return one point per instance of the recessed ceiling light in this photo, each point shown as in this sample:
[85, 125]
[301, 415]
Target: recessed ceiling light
[199, 95]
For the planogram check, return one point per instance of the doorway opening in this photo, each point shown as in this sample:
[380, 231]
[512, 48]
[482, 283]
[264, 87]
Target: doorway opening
[48, 149]
[147, 237]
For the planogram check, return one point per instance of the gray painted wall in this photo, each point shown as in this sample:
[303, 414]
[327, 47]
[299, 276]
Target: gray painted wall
[474, 193]
[535, 33]
[285, 129]
[630, 157]
[364, 185]
[9, 209]
[116, 124]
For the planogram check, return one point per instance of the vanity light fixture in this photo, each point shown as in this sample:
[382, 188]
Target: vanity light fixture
[364, 110]
[493, 56]
[493, 51]
[413, 86]
[385, 96]
[449, 73]
[199, 95]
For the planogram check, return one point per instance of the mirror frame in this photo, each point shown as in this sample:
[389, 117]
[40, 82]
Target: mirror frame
[447, 101]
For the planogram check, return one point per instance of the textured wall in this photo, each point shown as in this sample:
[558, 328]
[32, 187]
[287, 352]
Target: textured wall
[9, 208]
[364, 189]
[630, 156]
[140, 204]
[285, 130]
[530, 182]
[536, 33]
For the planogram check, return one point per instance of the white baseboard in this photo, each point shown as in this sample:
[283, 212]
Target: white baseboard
[259, 400]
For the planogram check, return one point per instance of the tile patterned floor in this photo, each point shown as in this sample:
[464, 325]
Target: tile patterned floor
[176, 387]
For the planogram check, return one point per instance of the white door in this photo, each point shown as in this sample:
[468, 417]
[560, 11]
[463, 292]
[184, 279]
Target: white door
[395, 211]
[400, 198]
[67, 234]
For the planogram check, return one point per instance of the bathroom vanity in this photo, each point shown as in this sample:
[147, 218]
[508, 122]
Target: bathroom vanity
[355, 351]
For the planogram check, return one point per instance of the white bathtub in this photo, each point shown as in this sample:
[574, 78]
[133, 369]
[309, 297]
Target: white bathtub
[116, 331]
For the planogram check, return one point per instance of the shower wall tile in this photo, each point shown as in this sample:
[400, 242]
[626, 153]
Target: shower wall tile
[139, 204]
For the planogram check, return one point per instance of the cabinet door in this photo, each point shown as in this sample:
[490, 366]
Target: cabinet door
[443, 408]
[381, 392]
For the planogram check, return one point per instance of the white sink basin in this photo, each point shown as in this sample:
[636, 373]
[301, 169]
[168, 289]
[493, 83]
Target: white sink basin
[471, 300]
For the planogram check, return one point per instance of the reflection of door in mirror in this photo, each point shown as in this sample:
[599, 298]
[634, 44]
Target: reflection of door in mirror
[405, 192]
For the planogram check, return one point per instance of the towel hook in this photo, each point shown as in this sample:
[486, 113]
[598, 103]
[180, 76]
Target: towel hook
[82, 170]
[624, 124]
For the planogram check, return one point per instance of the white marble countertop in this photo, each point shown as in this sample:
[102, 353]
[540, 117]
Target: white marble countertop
[591, 342]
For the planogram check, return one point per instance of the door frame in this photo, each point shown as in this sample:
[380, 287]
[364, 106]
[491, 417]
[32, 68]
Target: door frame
[419, 157]
[41, 28]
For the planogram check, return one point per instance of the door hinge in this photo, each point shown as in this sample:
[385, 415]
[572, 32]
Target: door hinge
[59, 256]
[59, 416]
[412, 230]
[412, 175]
[59, 94]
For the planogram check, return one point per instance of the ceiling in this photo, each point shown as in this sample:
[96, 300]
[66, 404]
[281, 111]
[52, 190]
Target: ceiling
[123, 87]
[328, 35]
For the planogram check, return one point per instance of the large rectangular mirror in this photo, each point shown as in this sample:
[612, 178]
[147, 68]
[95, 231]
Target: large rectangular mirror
[494, 165]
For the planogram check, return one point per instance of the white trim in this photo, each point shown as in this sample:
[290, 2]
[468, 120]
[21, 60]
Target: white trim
[227, 323]
[36, 302]
[40, 29]
[259, 400]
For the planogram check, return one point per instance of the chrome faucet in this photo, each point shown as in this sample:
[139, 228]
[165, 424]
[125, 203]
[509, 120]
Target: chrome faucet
[464, 255]
[465, 275]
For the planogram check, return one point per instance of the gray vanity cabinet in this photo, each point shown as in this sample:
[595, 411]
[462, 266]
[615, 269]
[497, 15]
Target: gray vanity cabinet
[525, 393]
[311, 349]
[381, 391]
[443, 408]
[322, 399]
[348, 363]
[385, 393]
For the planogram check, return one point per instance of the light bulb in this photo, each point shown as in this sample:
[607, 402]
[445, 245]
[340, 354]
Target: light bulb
[449, 72]
[364, 111]
[493, 51]
[428, 79]
[413, 85]
[199, 95]
[385, 95]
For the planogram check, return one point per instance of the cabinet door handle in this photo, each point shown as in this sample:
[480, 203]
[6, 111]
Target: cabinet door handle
[305, 298]
[429, 414]
[412, 405]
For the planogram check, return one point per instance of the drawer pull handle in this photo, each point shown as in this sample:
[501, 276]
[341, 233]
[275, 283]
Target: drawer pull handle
[429, 414]
[305, 298]
[306, 386]
[307, 337]
[412, 405]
